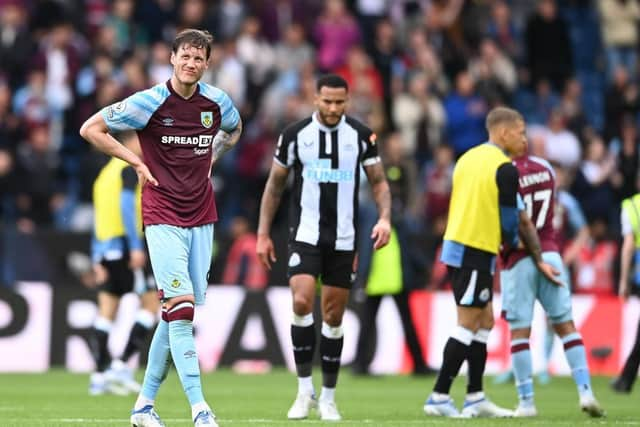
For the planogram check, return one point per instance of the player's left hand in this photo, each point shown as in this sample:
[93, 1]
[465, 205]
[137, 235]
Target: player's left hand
[144, 175]
[381, 233]
[550, 273]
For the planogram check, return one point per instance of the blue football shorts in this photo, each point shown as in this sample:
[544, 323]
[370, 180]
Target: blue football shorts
[523, 283]
[181, 258]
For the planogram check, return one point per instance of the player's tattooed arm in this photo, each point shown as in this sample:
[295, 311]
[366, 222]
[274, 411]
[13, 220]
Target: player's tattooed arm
[382, 195]
[268, 206]
[529, 236]
[380, 189]
[271, 196]
[224, 141]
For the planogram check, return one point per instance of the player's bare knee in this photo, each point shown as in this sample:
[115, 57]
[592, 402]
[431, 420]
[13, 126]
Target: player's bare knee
[487, 323]
[332, 318]
[520, 333]
[302, 305]
[564, 328]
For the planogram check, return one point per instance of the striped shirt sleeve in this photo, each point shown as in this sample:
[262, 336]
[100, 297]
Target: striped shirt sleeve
[134, 112]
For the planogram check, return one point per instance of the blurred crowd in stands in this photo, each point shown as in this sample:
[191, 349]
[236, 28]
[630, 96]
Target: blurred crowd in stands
[422, 74]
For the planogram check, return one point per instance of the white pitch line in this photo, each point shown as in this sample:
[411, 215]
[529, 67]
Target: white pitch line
[284, 421]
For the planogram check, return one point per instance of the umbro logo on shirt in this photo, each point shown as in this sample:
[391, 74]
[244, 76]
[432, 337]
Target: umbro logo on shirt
[168, 121]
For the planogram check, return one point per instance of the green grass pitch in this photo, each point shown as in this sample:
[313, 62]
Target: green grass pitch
[58, 398]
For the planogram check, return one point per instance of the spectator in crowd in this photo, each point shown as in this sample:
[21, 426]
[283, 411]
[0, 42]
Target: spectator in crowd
[16, 44]
[276, 16]
[570, 104]
[593, 266]
[159, 68]
[227, 72]
[242, 266]
[335, 32]
[624, 177]
[386, 57]
[9, 123]
[7, 185]
[40, 194]
[419, 117]
[592, 186]
[128, 34]
[257, 54]
[494, 73]
[561, 145]
[621, 100]
[619, 24]
[195, 14]
[365, 83]
[229, 16]
[465, 112]
[504, 31]
[293, 51]
[30, 102]
[549, 54]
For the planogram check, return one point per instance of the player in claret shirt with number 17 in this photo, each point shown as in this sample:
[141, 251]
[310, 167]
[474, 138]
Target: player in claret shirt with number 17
[522, 283]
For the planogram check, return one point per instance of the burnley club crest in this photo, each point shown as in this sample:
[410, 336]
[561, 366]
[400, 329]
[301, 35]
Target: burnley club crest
[206, 117]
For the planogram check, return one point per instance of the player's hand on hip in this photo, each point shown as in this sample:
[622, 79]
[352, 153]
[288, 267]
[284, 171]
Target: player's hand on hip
[144, 175]
[550, 273]
[265, 250]
[381, 233]
[137, 259]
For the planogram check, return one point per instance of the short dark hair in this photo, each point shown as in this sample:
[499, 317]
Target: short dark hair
[193, 37]
[502, 115]
[331, 80]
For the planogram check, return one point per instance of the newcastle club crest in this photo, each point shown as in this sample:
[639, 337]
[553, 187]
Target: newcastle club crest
[206, 118]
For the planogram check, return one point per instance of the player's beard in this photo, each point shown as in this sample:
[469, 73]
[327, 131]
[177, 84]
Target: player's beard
[329, 119]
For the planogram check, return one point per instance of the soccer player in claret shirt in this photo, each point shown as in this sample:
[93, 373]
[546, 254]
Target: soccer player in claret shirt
[184, 126]
[522, 283]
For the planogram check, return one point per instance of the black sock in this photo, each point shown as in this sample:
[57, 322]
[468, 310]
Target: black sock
[454, 354]
[98, 344]
[477, 359]
[137, 338]
[330, 352]
[303, 339]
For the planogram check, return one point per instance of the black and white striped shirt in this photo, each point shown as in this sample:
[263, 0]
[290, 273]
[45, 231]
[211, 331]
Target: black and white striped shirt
[326, 163]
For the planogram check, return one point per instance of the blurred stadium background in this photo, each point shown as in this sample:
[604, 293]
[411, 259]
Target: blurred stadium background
[422, 74]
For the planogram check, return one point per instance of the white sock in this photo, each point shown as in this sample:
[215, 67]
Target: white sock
[199, 407]
[97, 378]
[118, 365]
[305, 386]
[141, 402]
[439, 397]
[328, 394]
[472, 397]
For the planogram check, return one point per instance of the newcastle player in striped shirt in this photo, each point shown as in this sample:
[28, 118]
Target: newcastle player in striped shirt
[325, 152]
